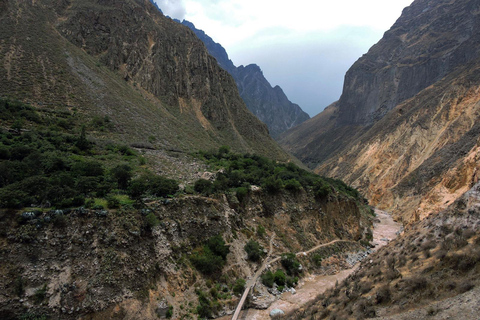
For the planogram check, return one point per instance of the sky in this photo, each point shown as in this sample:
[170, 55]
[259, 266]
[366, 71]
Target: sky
[304, 46]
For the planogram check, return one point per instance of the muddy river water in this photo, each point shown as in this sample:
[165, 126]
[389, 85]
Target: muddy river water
[385, 229]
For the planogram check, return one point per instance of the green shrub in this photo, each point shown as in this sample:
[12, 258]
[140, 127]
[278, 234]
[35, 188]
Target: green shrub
[210, 258]
[217, 246]
[272, 185]
[321, 188]
[203, 186]
[254, 250]
[239, 286]
[290, 263]
[290, 281]
[268, 278]
[40, 294]
[293, 185]
[260, 231]
[152, 220]
[32, 316]
[241, 193]
[169, 313]
[205, 306]
[317, 259]
[122, 174]
[112, 202]
[280, 277]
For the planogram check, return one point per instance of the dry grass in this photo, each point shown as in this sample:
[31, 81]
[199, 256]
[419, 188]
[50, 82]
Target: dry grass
[431, 261]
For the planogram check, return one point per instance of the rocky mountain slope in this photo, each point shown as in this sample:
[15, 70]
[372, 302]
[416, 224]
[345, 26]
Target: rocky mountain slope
[430, 271]
[154, 261]
[405, 130]
[108, 210]
[152, 77]
[270, 105]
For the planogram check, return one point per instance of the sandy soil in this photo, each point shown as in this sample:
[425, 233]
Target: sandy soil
[385, 229]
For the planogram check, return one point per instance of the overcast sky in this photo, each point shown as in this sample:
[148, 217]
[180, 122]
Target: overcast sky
[304, 46]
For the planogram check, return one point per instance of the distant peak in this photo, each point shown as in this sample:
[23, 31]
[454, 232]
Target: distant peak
[254, 67]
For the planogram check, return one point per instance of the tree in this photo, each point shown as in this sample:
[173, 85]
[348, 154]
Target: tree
[217, 245]
[239, 286]
[268, 279]
[254, 250]
[82, 141]
[203, 186]
[122, 174]
[290, 263]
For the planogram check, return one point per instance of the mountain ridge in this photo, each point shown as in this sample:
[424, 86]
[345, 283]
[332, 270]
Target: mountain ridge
[406, 107]
[268, 103]
[150, 85]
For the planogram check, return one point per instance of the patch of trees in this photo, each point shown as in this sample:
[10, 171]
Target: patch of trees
[48, 160]
[239, 172]
[211, 256]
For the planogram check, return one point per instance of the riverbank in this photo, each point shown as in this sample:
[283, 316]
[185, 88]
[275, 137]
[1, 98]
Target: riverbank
[385, 229]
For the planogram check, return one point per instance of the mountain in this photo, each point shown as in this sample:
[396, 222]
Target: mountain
[135, 183]
[405, 129]
[270, 105]
[123, 59]
[429, 272]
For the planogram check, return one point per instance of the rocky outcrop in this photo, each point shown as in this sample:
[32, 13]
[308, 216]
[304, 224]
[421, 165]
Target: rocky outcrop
[427, 42]
[405, 128]
[270, 105]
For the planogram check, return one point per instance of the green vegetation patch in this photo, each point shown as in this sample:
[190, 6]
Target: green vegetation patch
[46, 159]
[239, 172]
[210, 258]
[254, 250]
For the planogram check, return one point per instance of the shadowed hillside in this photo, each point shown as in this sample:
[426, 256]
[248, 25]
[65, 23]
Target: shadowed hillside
[124, 59]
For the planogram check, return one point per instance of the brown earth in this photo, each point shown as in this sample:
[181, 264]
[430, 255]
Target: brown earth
[385, 229]
[428, 271]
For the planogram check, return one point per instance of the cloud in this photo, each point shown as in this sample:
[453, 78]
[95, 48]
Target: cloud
[172, 8]
[310, 67]
[305, 46]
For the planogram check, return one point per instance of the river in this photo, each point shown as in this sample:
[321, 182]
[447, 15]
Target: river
[385, 229]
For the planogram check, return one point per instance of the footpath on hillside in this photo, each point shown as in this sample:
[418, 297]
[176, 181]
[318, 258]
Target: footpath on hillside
[385, 229]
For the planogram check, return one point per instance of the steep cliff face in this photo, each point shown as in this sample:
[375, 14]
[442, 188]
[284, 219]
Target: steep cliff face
[270, 105]
[94, 264]
[430, 271]
[124, 59]
[405, 129]
[426, 43]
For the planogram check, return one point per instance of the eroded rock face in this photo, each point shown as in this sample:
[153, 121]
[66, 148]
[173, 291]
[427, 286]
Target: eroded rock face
[123, 59]
[405, 130]
[95, 266]
[426, 43]
[269, 104]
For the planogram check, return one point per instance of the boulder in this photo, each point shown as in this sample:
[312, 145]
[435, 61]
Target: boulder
[277, 314]
[162, 309]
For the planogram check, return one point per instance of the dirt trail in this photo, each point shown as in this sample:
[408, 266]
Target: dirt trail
[385, 229]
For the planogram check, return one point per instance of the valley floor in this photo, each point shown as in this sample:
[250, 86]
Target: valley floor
[385, 229]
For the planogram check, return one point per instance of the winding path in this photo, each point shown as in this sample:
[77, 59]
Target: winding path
[385, 229]
[265, 264]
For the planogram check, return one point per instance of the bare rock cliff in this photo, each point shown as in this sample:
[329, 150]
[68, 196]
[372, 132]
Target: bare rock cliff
[269, 104]
[150, 75]
[405, 130]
